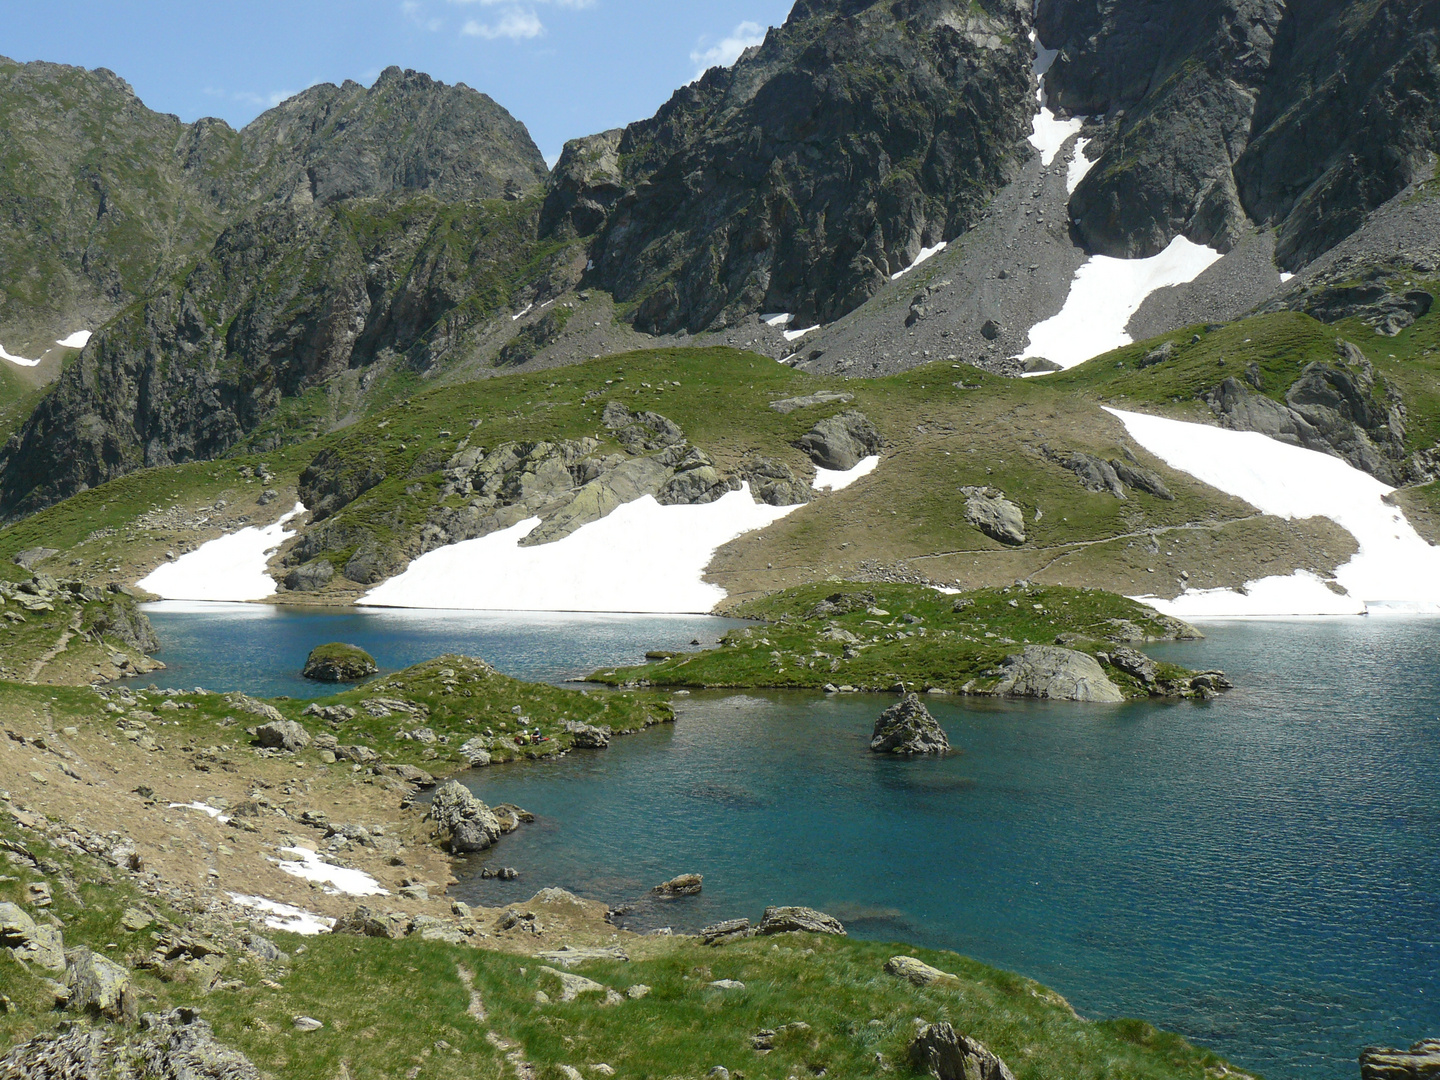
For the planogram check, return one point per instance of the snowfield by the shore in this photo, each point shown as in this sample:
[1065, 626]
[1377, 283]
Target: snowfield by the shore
[642, 557]
[1104, 296]
[1395, 570]
[280, 916]
[309, 865]
[231, 568]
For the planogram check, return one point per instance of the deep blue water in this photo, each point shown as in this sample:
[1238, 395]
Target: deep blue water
[261, 649]
[1261, 873]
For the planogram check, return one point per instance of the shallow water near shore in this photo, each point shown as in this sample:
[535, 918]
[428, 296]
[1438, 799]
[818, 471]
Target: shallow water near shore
[1260, 873]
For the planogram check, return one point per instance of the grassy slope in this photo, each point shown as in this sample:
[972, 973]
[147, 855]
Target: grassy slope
[946, 425]
[944, 649]
[390, 1006]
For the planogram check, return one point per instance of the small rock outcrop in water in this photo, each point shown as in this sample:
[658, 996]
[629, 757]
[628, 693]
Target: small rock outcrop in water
[945, 1054]
[996, 516]
[782, 920]
[1047, 671]
[337, 663]
[469, 822]
[168, 1046]
[684, 885]
[908, 728]
[1420, 1062]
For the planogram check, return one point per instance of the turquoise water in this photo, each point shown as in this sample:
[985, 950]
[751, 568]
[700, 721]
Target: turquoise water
[1261, 873]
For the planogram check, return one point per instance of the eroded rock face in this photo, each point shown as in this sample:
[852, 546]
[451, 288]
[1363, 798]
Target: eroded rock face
[993, 514]
[907, 728]
[945, 1054]
[1048, 671]
[1420, 1062]
[841, 442]
[177, 1045]
[774, 182]
[468, 821]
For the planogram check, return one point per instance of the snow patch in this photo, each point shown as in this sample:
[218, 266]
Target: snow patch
[1047, 134]
[783, 318]
[926, 253]
[836, 480]
[203, 808]
[17, 359]
[522, 313]
[1104, 296]
[336, 879]
[1394, 571]
[284, 916]
[1284, 277]
[231, 568]
[642, 557]
[77, 340]
[796, 335]
[1079, 166]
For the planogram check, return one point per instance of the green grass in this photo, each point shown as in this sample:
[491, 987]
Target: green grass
[903, 634]
[390, 1006]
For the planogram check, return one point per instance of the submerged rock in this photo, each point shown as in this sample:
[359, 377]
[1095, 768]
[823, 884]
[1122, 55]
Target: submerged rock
[337, 663]
[908, 728]
[1048, 671]
[945, 1054]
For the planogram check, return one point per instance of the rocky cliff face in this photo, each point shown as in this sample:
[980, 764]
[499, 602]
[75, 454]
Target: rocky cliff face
[367, 239]
[1303, 115]
[817, 166]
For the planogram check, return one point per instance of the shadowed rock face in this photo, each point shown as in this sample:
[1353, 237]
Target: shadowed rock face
[1213, 112]
[804, 176]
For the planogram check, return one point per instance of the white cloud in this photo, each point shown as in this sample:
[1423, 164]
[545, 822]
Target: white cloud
[726, 52]
[516, 21]
[415, 12]
[249, 97]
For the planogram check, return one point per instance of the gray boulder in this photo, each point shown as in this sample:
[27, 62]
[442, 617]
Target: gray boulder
[100, 986]
[33, 557]
[1141, 479]
[988, 510]
[34, 943]
[841, 442]
[908, 728]
[250, 705]
[365, 922]
[1095, 473]
[774, 482]
[684, 885]
[696, 481]
[1048, 671]
[729, 930]
[469, 822]
[311, 577]
[945, 1054]
[783, 920]
[1134, 663]
[284, 735]
[586, 736]
[476, 751]
[1420, 1062]
[820, 397]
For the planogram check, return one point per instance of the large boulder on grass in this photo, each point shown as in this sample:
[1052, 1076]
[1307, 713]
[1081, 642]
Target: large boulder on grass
[339, 663]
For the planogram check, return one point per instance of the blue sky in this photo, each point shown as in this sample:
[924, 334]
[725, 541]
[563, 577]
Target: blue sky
[564, 67]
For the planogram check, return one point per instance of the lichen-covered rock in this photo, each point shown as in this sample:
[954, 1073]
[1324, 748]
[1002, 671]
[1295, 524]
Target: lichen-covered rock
[284, 735]
[783, 920]
[469, 823]
[919, 972]
[1048, 671]
[587, 736]
[34, 943]
[338, 663]
[993, 514]
[907, 728]
[99, 985]
[942, 1052]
